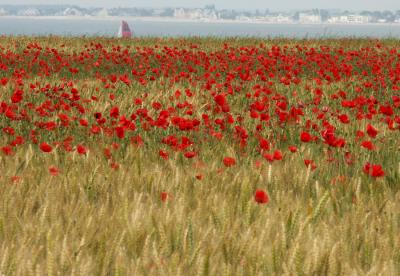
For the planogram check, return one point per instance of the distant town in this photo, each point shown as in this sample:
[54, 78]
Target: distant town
[208, 13]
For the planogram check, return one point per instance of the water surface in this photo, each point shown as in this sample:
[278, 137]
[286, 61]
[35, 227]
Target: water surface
[109, 27]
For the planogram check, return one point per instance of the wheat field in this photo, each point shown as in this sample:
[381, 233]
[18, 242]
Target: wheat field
[121, 207]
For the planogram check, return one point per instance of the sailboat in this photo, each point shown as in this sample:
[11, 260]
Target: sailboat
[124, 30]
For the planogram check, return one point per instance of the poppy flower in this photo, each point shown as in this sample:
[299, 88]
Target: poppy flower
[83, 122]
[190, 154]
[115, 146]
[95, 129]
[114, 112]
[107, 153]
[261, 197]
[344, 118]
[278, 155]
[360, 134]
[368, 145]
[305, 137]
[17, 96]
[269, 157]
[373, 170]
[54, 170]
[349, 158]
[164, 196]
[264, 144]
[163, 154]
[114, 165]
[309, 162]
[120, 132]
[229, 161]
[372, 132]
[9, 130]
[220, 99]
[19, 140]
[258, 163]
[81, 149]
[46, 147]
[7, 150]
[3, 81]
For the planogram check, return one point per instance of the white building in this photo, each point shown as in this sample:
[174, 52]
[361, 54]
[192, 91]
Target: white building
[242, 18]
[72, 12]
[210, 15]
[349, 19]
[358, 18]
[195, 14]
[334, 19]
[278, 19]
[29, 12]
[180, 13]
[309, 18]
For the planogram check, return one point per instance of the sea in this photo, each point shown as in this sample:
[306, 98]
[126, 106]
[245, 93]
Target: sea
[172, 28]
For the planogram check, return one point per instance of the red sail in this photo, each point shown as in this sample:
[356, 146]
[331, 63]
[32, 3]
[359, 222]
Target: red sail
[124, 30]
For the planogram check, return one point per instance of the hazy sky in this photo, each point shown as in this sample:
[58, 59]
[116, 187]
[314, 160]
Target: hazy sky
[231, 4]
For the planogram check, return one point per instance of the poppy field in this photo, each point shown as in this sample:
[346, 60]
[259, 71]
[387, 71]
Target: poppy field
[199, 156]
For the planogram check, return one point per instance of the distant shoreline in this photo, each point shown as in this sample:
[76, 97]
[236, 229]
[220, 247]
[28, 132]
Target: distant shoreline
[184, 20]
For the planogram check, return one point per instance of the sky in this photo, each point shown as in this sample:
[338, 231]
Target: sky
[229, 4]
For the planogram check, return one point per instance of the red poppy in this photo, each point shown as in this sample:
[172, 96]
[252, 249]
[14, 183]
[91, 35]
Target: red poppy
[190, 154]
[373, 170]
[120, 132]
[163, 154]
[164, 196]
[81, 149]
[17, 96]
[229, 161]
[114, 165]
[114, 112]
[264, 144]
[344, 118]
[107, 153]
[95, 129]
[258, 163]
[54, 170]
[83, 122]
[360, 134]
[3, 81]
[309, 162]
[19, 140]
[372, 132]
[46, 147]
[305, 137]
[7, 150]
[269, 157]
[9, 130]
[368, 145]
[220, 99]
[278, 155]
[261, 197]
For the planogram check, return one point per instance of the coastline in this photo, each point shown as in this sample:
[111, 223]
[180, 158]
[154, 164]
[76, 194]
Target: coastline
[187, 20]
